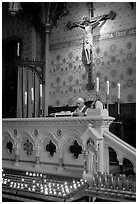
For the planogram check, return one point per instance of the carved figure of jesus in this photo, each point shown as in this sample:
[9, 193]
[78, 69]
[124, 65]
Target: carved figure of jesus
[88, 42]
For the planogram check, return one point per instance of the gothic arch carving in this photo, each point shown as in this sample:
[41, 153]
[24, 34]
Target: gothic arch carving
[6, 134]
[26, 142]
[69, 136]
[48, 135]
[8, 143]
[44, 139]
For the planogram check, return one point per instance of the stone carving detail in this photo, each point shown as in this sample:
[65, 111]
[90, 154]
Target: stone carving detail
[59, 133]
[75, 149]
[51, 148]
[28, 147]
[36, 133]
[15, 132]
[9, 146]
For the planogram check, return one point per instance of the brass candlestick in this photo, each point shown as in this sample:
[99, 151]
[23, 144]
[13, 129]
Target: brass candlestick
[107, 101]
[25, 111]
[118, 106]
[33, 109]
[41, 106]
[118, 109]
[41, 113]
[97, 95]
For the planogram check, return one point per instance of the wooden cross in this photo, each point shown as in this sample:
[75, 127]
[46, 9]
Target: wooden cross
[89, 23]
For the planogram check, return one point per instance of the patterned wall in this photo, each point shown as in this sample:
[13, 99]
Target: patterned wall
[114, 55]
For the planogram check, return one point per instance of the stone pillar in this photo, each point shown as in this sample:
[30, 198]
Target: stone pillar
[37, 155]
[84, 165]
[60, 164]
[102, 157]
[46, 71]
[106, 153]
[17, 148]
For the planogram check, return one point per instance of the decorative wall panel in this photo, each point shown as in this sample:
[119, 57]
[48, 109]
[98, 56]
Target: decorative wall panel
[114, 56]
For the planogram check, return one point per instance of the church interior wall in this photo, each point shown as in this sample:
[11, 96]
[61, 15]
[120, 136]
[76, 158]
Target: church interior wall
[114, 55]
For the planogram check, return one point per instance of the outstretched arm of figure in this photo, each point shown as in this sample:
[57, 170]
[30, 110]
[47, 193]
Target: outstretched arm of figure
[105, 17]
[96, 23]
[71, 25]
[81, 26]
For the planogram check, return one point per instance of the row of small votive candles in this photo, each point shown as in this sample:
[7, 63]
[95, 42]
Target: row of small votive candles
[120, 182]
[32, 95]
[107, 86]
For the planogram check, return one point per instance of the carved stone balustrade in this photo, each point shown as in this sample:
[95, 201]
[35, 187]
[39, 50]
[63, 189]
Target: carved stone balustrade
[49, 144]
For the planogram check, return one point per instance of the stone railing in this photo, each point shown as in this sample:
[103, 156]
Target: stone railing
[55, 143]
[122, 149]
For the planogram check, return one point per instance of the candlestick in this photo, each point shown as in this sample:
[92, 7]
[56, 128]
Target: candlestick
[118, 93]
[107, 82]
[18, 49]
[41, 105]
[107, 101]
[97, 84]
[25, 99]
[32, 102]
[97, 96]
[118, 107]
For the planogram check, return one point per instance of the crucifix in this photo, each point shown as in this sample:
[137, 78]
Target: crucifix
[88, 24]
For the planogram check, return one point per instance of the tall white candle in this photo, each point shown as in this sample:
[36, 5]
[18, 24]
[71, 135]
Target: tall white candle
[118, 92]
[107, 83]
[40, 90]
[32, 94]
[18, 49]
[25, 99]
[97, 84]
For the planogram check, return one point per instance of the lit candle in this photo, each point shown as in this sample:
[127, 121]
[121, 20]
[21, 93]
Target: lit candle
[118, 93]
[97, 84]
[40, 90]
[25, 100]
[107, 82]
[32, 94]
[40, 96]
[18, 49]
